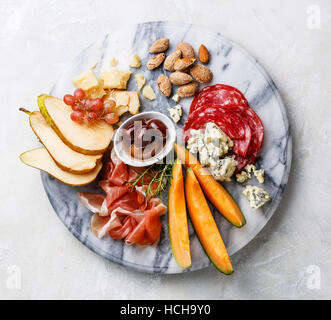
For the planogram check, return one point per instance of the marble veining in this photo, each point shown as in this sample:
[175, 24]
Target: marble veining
[231, 65]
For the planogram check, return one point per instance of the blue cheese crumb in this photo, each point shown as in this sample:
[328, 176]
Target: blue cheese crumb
[259, 174]
[243, 176]
[246, 174]
[175, 113]
[224, 169]
[256, 196]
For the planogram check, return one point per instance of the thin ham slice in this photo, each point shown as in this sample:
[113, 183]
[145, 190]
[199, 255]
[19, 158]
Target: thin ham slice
[94, 202]
[124, 212]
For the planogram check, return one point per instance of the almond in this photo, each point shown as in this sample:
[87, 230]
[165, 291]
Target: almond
[179, 78]
[159, 45]
[155, 61]
[183, 64]
[203, 54]
[164, 85]
[187, 90]
[171, 59]
[186, 50]
[201, 73]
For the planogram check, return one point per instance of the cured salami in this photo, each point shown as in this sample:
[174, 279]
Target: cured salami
[228, 108]
[218, 94]
[229, 121]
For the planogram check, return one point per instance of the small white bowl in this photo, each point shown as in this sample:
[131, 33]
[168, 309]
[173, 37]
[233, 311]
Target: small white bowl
[171, 138]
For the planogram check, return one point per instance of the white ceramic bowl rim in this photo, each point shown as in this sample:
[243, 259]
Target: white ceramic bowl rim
[171, 138]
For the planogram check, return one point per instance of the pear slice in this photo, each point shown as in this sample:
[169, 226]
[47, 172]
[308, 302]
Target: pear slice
[66, 158]
[40, 159]
[83, 138]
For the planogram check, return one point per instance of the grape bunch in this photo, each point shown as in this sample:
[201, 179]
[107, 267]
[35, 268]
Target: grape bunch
[90, 110]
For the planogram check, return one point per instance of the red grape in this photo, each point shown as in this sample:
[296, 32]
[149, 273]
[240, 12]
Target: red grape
[109, 106]
[69, 100]
[88, 104]
[78, 107]
[111, 118]
[92, 116]
[77, 116]
[97, 105]
[79, 94]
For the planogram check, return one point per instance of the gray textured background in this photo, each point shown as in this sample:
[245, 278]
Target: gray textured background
[38, 38]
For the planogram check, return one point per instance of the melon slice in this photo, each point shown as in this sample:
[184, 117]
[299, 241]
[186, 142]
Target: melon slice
[213, 190]
[205, 225]
[177, 218]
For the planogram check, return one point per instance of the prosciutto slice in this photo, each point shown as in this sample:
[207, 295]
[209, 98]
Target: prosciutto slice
[124, 212]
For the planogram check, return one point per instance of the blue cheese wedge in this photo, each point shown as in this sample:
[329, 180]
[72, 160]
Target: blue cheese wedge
[195, 142]
[224, 169]
[175, 113]
[212, 145]
[256, 196]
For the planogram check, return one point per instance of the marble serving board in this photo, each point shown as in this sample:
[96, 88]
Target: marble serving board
[230, 65]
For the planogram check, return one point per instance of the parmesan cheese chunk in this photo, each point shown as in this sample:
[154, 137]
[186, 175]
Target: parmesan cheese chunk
[115, 79]
[149, 93]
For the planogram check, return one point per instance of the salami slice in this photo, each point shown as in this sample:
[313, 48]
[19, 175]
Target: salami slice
[228, 108]
[218, 94]
[248, 115]
[231, 122]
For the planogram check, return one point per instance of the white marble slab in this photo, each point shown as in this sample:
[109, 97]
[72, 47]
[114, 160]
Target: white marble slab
[231, 65]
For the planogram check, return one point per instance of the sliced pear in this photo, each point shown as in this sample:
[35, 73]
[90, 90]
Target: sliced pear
[83, 138]
[66, 158]
[40, 159]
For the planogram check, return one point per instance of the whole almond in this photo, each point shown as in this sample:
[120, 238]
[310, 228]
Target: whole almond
[179, 78]
[203, 54]
[159, 45]
[164, 85]
[187, 90]
[170, 60]
[155, 61]
[186, 50]
[201, 73]
[183, 64]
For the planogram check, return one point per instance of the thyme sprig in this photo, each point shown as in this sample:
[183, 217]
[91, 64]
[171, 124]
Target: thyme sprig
[159, 174]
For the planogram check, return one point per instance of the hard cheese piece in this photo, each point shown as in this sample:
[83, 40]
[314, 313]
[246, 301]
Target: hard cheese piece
[115, 79]
[135, 61]
[89, 83]
[149, 93]
[86, 80]
[140, 79]
[121, 98]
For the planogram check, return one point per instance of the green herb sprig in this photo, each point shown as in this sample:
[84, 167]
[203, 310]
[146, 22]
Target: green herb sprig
[158, 173]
